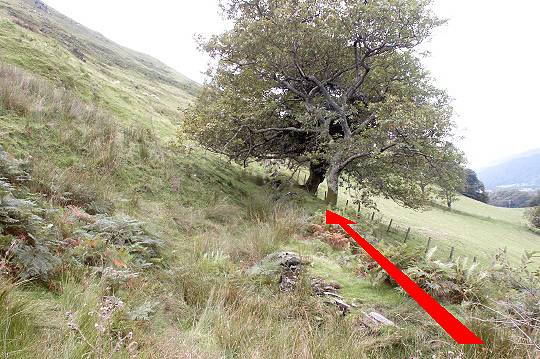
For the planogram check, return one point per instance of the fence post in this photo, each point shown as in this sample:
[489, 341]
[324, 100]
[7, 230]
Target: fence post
[451, 254]
[428, 244]
[346, 204]
[407, 235]
[358, 207]
[325, 196]
[389, 225]
[474, 259]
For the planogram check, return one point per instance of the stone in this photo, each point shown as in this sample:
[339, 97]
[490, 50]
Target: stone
[379, 319]
[331, 292]
[41, 5]
[287, 264]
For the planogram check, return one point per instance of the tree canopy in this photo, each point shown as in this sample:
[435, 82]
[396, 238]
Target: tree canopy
[473, 187]
[335, 86]
[514, 198]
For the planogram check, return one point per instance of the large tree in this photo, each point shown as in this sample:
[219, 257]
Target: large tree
[473, 187]
[336, 86]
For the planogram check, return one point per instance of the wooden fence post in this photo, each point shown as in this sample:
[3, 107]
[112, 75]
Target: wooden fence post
[373, 217]
[346, 204]
[325, 196]
[389, 225]
[428, 244]
[407, 235]
[358, 207]
[474, 259]
[451, 254]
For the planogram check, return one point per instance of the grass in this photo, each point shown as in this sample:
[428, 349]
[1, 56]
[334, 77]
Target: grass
[86, 131]
[325, 263]
[137, 89]
[475, 229]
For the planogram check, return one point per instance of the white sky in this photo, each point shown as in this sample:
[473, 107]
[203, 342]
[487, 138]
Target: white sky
[486, 57]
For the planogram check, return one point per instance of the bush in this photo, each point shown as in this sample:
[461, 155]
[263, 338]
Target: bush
[534, 217]
[121, 236]
[453, 282]
[25, 235]
[34, 239]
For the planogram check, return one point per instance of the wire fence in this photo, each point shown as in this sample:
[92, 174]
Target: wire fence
[388, 229]
[385, 228]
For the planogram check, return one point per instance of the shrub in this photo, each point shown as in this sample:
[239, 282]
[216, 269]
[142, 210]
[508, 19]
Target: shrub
[452, 282]
[11, 169]
[122, 235]
[401, 255]
[26, 236]
[534, 217]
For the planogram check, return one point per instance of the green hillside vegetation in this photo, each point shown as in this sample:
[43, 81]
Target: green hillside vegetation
[474, 228]
[514, 198]
[134, 87]
[117, 242]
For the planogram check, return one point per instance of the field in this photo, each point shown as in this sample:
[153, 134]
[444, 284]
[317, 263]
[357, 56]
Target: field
[474, 228]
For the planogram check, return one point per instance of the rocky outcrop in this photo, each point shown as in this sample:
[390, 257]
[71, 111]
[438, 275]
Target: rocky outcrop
[330, 291]
[40, 5]
[289, 265]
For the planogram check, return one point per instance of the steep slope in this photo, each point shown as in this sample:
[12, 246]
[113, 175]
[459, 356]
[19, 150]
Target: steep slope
[136, 88]
[521, 172]
[138, 247]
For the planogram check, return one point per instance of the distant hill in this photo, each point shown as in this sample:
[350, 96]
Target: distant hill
[522, 171]
[136, 88]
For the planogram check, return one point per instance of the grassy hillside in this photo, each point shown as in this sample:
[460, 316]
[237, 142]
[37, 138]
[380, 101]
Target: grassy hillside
[117, 243]
[136, 88]
[473, 228]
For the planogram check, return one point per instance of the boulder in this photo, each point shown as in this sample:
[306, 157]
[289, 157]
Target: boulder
[40, 5]
[287, 264]
[330, 291]
[377, 319]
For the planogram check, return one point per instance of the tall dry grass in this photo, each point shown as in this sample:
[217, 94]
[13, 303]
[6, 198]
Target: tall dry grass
[39, 101]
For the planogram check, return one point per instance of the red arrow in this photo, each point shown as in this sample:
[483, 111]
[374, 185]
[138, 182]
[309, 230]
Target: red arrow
[447, 321]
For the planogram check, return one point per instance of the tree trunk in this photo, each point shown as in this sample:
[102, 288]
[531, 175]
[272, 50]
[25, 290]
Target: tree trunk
[423, 188]
[316, 177]
[449, 201]
[332, 179]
